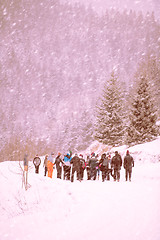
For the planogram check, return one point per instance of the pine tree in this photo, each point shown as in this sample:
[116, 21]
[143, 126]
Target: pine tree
[151, 66]
[109, 127]
[143, 115]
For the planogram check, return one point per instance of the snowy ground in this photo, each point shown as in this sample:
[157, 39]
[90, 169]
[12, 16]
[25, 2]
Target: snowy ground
[91, 210]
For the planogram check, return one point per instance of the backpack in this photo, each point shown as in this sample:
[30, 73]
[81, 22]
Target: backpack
[105, 162]
[117, 161]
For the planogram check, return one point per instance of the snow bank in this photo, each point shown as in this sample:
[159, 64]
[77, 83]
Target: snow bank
[91, 210]
[147, 152]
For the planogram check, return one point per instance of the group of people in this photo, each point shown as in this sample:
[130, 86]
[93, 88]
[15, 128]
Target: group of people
[110, 167]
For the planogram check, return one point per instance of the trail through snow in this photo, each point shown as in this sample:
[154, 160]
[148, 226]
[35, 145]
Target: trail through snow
[59, 210]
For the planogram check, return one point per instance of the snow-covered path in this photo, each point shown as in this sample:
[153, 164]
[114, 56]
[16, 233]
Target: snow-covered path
[91, 210]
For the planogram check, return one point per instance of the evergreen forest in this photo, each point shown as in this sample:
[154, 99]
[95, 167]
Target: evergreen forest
[55, 59]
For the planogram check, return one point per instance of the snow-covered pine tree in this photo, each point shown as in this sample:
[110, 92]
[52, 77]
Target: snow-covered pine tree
[109, 127]
[152, 67]
[142, 125]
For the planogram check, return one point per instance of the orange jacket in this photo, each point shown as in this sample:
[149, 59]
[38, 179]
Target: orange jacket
[50, 166]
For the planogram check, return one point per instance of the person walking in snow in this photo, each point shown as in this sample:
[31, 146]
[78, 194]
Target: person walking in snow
[75, 162]
[88, 168]
[109, 170]
[128, 164]
[82, 166]
[45, 164]
[93, 163]
[50, 165]
[67, 166]
[103, 163]
[116, 164]
[105, 166]
[98, 168]
[37, 162]
[58, 162]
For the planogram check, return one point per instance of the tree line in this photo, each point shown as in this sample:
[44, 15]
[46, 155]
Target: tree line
[55, 59]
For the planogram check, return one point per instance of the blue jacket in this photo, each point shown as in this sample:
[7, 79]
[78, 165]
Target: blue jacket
[67, 158]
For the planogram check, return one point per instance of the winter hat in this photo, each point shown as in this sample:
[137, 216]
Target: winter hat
[81, 155]
[93, 154]
[127, 152]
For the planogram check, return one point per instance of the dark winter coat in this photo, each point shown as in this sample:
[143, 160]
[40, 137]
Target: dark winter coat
[76, 162]
[45, 161]
[93, 162]
[128, 161]
[58, 162]
[104, 161]
[116, 162]
[36, 161]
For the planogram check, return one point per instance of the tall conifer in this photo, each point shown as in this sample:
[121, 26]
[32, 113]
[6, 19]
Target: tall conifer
[109, 127]
[143, 115]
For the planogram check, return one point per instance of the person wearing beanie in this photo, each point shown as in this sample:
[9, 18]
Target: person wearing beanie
[116, 164]
[82, 166]
[75, 162]
[105, 167]
[93, 163]
[67, 166]
[59, 162]
[128, 164]
[103, 163]
[88, 168]
[37, 162]
[45, 164]
[93, 154]
[50, 165]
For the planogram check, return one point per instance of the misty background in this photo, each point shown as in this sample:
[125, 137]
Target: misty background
[56, 56]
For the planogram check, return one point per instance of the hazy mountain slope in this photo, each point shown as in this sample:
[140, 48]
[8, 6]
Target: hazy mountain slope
[137, 5]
